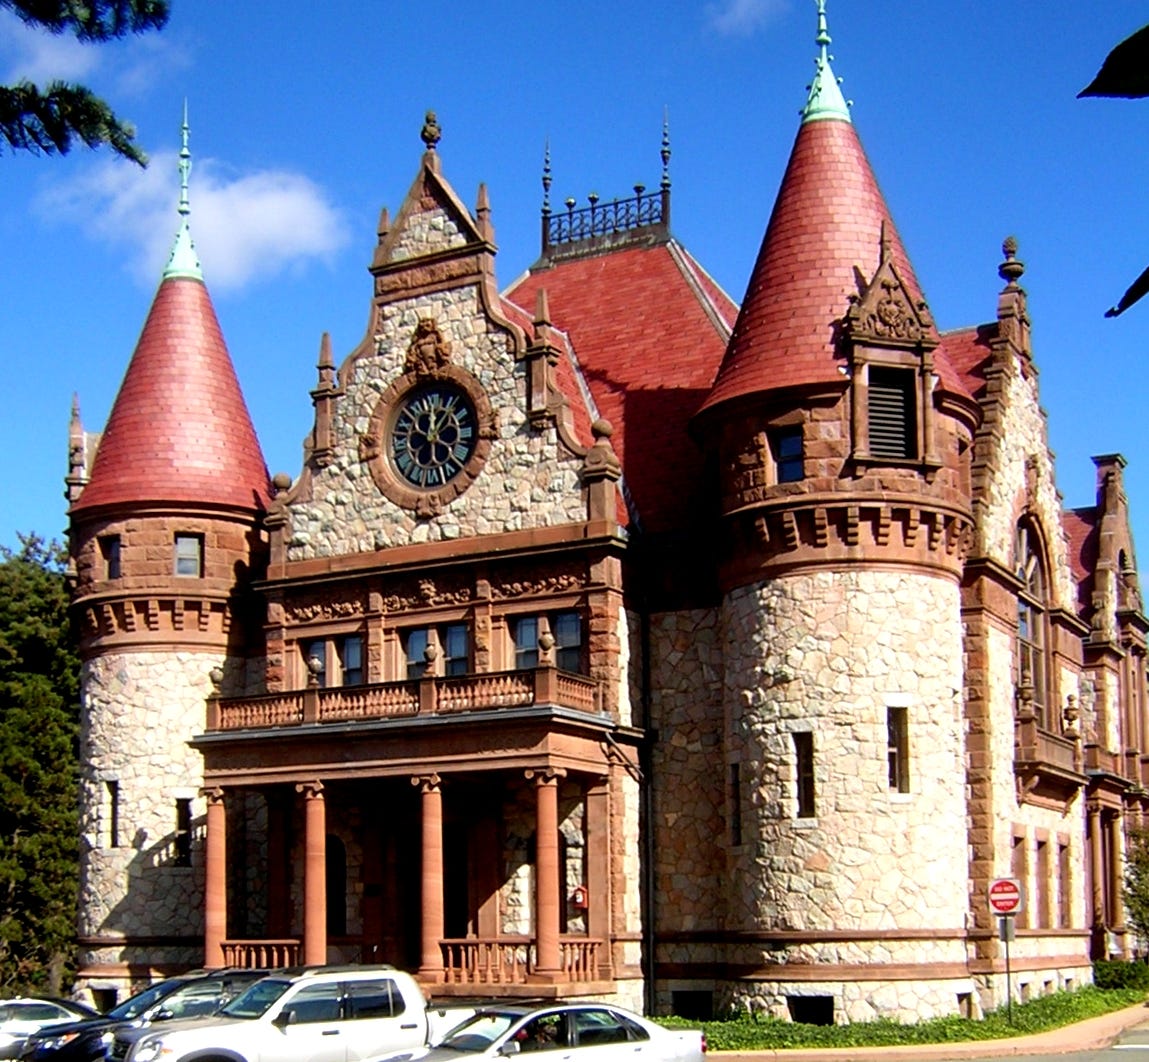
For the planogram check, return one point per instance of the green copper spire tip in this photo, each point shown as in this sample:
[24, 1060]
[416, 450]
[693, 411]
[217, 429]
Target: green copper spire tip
[183, 261]
[825, 99]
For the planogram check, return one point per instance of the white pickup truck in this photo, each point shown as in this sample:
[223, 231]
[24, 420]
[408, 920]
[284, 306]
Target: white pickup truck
[319, 1014]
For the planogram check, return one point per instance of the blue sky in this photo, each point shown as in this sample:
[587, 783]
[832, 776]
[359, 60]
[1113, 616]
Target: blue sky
[305, 122]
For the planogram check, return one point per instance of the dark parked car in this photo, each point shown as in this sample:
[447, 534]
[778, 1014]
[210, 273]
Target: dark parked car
[20, 1018]
[178, 997]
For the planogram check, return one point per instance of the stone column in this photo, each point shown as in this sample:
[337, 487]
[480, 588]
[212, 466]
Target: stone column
[314, 874]
[1114, 875]
[431, 957]
[1096, 865]
[598, 871]
[215, 880]
[548, 959]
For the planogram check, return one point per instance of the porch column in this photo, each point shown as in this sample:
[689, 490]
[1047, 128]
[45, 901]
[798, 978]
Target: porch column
[598, 875]
[1096, 865]
[1113, 870]
[431, 958]
[548, 959]
[314, 874]
[215, 879]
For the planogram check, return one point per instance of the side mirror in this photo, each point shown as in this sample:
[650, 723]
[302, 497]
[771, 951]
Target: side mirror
[284, 1018]
[162, 1015]
[511, 1047]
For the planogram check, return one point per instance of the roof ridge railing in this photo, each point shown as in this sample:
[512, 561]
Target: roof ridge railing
[599, 219]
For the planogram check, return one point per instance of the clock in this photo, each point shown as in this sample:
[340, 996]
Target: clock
[433, 434]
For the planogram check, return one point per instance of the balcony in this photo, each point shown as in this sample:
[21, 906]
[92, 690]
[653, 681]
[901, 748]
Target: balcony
[1049, 767]
[433, 695]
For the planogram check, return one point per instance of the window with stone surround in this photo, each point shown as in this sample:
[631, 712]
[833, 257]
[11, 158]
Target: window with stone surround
[189, 555]
[787, 452]
[804, 774]
[566, 629]
[898, 748]
[1063, 882]
[1032, 668]
[1043, 882]
[735, 804]
[1019, 868]
[182, 847]
[110, 555]
[112, 789]
[891, 409]
[451, 650]
[340, 659]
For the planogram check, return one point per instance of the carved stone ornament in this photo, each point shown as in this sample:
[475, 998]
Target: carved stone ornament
[428, 349]
[885, 311]
[317, 608]
[431, 431]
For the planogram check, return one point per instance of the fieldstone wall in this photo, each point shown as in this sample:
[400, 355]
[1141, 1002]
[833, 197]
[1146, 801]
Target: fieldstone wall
[529, 480]
[134, 888]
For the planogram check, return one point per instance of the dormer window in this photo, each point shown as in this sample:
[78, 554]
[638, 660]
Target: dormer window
[892, 414]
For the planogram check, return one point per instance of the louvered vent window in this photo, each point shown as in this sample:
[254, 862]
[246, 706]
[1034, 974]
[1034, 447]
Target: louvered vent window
[892, 414]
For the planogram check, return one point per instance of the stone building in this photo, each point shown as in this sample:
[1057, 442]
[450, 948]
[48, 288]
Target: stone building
[614, 639]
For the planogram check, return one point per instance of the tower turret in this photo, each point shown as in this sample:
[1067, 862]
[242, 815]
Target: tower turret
[842, 436]
[166, 537]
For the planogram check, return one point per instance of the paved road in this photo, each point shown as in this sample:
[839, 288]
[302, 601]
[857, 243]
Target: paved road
[1131, 1046]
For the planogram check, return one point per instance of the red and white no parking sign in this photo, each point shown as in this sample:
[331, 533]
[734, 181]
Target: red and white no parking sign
[1006, 896]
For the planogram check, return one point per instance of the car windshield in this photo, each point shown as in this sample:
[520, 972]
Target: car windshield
[134, 1007]
[477, 1033]
[256, 1000]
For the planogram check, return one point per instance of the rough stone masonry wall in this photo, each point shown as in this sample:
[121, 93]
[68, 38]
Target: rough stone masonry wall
[829, 653]
[133, 888]
[529, 480]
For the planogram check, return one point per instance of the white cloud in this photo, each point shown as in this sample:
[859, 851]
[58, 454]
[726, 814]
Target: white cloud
[739, 18]
[246, 228]
[38, 56]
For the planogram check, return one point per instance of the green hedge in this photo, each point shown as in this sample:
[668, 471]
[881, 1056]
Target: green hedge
[1109, 975]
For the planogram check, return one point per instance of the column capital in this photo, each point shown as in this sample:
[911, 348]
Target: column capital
[426, 782]
[545, 775]
[213, 794]
[310, 790]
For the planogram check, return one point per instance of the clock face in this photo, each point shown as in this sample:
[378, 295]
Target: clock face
[433, 435]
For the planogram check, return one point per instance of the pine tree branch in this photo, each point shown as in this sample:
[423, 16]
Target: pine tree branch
[91, 20]
[48, 122]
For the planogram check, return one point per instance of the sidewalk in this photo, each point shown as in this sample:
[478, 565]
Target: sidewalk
[1084, 1036]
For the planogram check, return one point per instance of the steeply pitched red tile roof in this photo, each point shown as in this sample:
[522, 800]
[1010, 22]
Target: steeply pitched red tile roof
[179, 430]
[825, 229]
[647, 327]
[1080, 527]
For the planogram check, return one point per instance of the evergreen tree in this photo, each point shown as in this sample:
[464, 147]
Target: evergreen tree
[48, 120]
[39, 736]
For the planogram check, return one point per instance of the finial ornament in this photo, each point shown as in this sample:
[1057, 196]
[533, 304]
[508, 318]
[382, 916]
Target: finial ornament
[431, 133]
[1011, 270]
[547, 177]
[825, 99]
[183, 261]
[665, 152]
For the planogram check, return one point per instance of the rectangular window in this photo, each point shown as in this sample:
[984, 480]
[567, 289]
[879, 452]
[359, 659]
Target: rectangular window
[735, 804]
[567, 630]
[456, 651]
[893, 422]
[1063, 883]
[804, 773]
[189, 556]
[898, 742]
[351, 660]
[183, 835]
[526, 635]
[1043, 883]
[113, 814]
[110, 555]
[786, 447]
[1019, 868]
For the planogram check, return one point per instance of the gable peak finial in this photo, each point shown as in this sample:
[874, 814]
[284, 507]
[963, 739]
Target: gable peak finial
[183, 261]
[431, 134]
[547, 176]
[665, 152]
[825, 99]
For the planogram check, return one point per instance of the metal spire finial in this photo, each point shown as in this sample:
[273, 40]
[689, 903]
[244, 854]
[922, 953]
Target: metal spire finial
[665, 152]
[547, 177]
[183, 261]
[825, 99]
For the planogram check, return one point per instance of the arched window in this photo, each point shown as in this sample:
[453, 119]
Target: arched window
[1032, 675]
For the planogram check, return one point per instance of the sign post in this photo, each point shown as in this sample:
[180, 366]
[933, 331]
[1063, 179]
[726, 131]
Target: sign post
[1007, 901]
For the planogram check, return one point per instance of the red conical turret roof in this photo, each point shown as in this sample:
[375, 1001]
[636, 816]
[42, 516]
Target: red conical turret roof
[823, 236]
[179, 430]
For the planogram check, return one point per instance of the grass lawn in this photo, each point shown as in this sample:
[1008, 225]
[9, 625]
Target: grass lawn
[1038, 1015]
